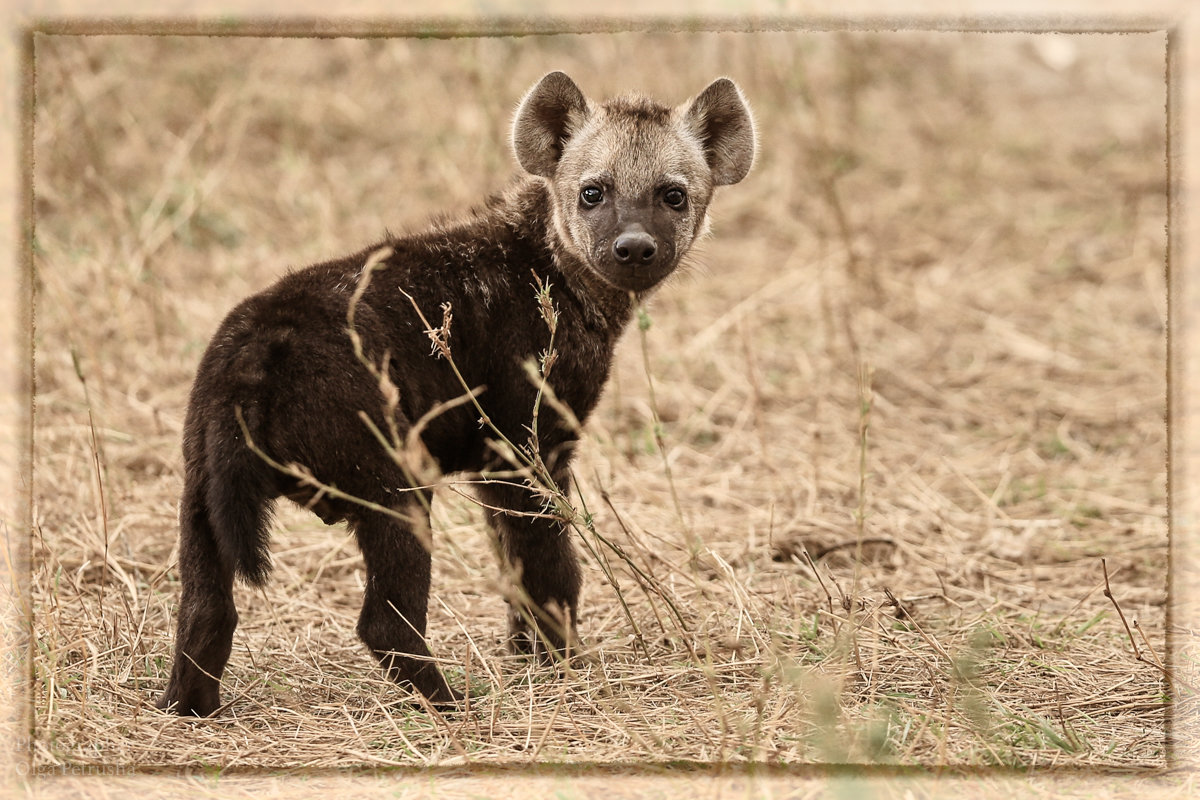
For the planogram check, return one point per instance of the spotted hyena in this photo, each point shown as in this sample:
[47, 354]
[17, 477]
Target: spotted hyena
[615, 196]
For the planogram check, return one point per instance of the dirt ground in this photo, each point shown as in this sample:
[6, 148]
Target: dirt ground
[854, 485]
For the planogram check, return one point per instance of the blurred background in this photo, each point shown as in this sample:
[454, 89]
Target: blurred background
[925, 345]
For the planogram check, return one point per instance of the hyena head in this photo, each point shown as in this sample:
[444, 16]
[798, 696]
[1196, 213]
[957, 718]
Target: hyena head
[631, 179]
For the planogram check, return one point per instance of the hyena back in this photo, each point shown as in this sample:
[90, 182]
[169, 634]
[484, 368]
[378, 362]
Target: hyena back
[616, 195]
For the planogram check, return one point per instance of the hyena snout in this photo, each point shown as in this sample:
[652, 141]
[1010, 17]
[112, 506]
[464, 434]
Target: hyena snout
[635, 247]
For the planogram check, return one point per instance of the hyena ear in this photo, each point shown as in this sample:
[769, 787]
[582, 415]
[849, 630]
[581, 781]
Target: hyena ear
[720, 118]
[545, 119]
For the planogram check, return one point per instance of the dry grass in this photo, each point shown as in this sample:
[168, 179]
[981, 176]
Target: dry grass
[924, 349]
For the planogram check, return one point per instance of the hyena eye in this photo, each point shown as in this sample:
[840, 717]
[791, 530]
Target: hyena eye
[591, 195]
[675, 198]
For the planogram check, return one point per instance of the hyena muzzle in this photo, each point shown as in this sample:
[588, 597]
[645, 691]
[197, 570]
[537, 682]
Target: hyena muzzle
[616, 194]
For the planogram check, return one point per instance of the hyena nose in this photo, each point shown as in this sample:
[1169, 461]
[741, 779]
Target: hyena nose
[634, 247]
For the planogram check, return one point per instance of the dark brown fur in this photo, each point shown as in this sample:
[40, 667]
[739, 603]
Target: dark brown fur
[282, 370]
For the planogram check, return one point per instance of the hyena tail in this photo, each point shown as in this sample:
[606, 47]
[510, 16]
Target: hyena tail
[238, 492]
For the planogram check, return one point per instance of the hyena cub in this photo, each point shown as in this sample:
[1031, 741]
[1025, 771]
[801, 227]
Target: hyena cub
[617, 193]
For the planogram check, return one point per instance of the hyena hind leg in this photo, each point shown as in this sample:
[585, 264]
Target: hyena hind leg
[207, 616]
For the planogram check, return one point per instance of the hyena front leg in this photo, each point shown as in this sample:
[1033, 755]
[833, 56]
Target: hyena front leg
[537, 547]
[396, 601]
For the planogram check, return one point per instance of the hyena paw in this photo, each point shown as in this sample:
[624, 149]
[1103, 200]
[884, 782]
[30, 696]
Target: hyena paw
[199, 702]
[552, 636]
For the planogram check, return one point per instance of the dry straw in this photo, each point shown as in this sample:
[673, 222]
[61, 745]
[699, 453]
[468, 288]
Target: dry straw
[846, 497]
